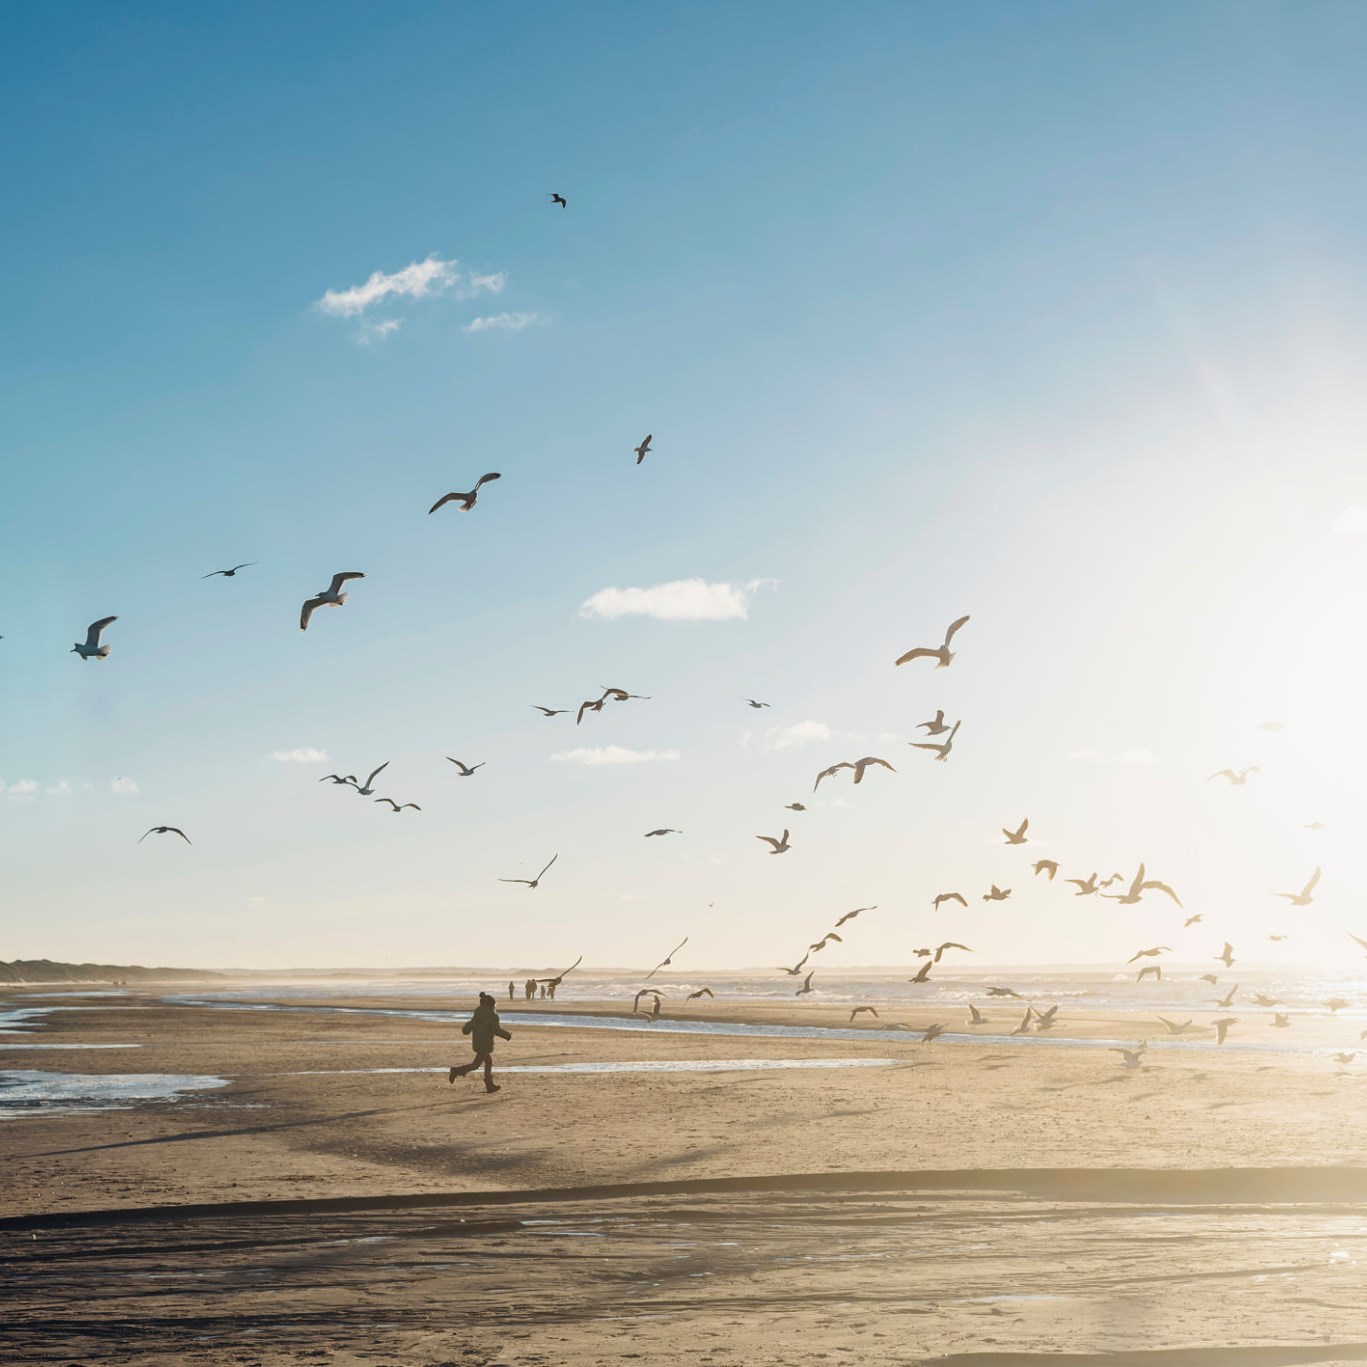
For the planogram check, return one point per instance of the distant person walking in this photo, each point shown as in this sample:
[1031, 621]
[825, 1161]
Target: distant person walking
[510, 991]
[482, 1027]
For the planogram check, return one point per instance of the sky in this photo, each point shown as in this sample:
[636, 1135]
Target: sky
[1050, 314]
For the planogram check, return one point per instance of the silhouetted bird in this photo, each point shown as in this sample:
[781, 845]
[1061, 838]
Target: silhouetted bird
[1049, 866]
[997, 894]
[663, 830]
[1226, 955]
[667, 960]
[939, 653]
[367, 788]
[850, 915]
[559, 199]
[780, 846]
[1222, 1027]
[399, 806]
[806, 985]
[943, 750]
[755, 704]
[950, 897]
[859, 1010]
[794, 807]
[330, 597]
[936, 726]
[1139, 887]
[701, 992]
[552, 711]
[165, 830]
[643, 449]
[1237, 778]
[1016, 837]
[466, 770]
[229, 574]
[1303, 898]
[858, 765]
[466, 501]
[533, 882]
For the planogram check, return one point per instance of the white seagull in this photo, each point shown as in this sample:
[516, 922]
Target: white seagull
[330, 597]
[92, 649]
[467, 501]
[939, 653]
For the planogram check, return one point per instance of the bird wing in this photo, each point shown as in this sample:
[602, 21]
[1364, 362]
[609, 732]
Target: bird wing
[1160, 887]
[1223, 773]
[211, 574]
[307, 611]
[442, 501]
[1305, 892]
[246, 564]
[485, 479]
[542, 874]
[927, 745]
[343, 577]
[414, 806]
[389, 800]
[175, 830]
[515, 880]
[827, 773]
[768, 840]
[920, 653]
[92, 635]
[953, 627]
[959, 898]
[381, 769]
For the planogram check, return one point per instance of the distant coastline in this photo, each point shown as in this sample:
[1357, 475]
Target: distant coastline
[52, 971]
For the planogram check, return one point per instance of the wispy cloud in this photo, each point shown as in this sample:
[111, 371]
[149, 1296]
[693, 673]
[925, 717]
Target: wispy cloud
[21, 788]
[613, 754]
[503, 322]
[304, 754]
[1136, 755]
[124, 787]
[378, 332]
[785, 737]
[417, 280]
[680, 600]
[1352, 521]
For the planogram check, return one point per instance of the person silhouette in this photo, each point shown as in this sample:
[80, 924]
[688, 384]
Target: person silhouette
[482, 1027]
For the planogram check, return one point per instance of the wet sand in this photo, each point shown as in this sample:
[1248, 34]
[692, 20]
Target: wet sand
[963, 1201]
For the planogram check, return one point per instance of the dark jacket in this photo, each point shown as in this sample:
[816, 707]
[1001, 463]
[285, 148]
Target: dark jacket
[482, 1027]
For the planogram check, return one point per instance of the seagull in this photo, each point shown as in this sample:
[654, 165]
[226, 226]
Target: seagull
[1336, 1004]
[1085, 886]
[559, 199]
[552, 711]
[533, 882]
[997, 894]
[1226, 955]
[939, 653]
[701, 992]
[949, 944]
[654, 1012]
[590, 705]
[825, 939]
[1149, 953]
[1131, 1058]
[850, 915]
[367, 788]
[1281, 1020]
[397, 806]
[796, 970]
[1347, 1056]
[950, 897]
[1024, 1026]
[780, 846]
[975, 1017]
[1277, 938]
[1016, 837]
[1303, 897]
[1211, 978]
[1227, 1000]
[1262, 999]
[338, 778]
[666, 961]
[1222, 1027]
[621, 695]
[663, 830]
[1176, 1028]
[643, 449]
[872, 1010]
[1049, 866]
[467, 770]
[92, 649]
[1003, 992]
[1155, 969]
[793, 807]
[1356, 939]
[165, 830]
[858, 766]
[755, 704]
[1191, 920]
[644, 992]
[806, 985]
[228, 574]
[1237, 779]
[560, 977]
[942, 752]
[467, 501]
[1114, 878]
[1044, 1020]
[932, 1032]
[923, 974]
[936, 726]
[1138, 888]
[330, 597]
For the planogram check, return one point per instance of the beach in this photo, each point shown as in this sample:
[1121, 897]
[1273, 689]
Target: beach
[319, 1191]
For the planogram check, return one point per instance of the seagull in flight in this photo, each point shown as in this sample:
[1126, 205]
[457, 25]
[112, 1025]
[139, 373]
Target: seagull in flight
[533, 882]
[1155, 969]
[552, 711]
[1003, 992]
[1281, 1020]
[1237, 778]
[932, 1032]
[467, 770]
[367, 788]
[643, 449]
[92, 649]
[399, 807]
[850, 915]
[796, 970]
[165, 830]
[229, 574]
[330, 597]
[806, 985]
[858, 765]
[557, 198]
[1149, 953]
[975, 1017]
[1138, 888]
[701, 992]
[666, 961]
[1303, 898]
[1176, 1027]
[935, 726]
[1192, 920]
[1049, 866]
[466, 501]
[949, 944]
[1044, 1020]
[1131, 1058]
[939, 653]
[1357, 939]
[923, 974]
[1226, 955]
[950, 897]
[824, 941]
[1016, 837]
[997, 894]
[872, 1011]
[755, 704]
[793, 807]
[1085, 886]
[663, 830]
[942, 751]
[780, 846]
[1262, 999]
[339, 778]
[1227, 1000]
[1024, 1026]
[1346, 1056]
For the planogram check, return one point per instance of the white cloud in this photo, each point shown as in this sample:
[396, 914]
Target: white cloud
[785, 737]
[23, 788]
[378, 332]
[1135, 755]
[613, 754]
[1352, 521]
[124, 786]
[417, 280]
[304, 754]
[680, 600]
[59, 788]
[503, 322]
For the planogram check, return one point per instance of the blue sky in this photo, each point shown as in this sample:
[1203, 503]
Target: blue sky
[1046, 313]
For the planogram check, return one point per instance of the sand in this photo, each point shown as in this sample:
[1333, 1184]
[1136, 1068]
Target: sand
[964, 1203]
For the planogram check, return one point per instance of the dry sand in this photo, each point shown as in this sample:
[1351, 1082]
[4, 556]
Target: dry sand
[973, 1203]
